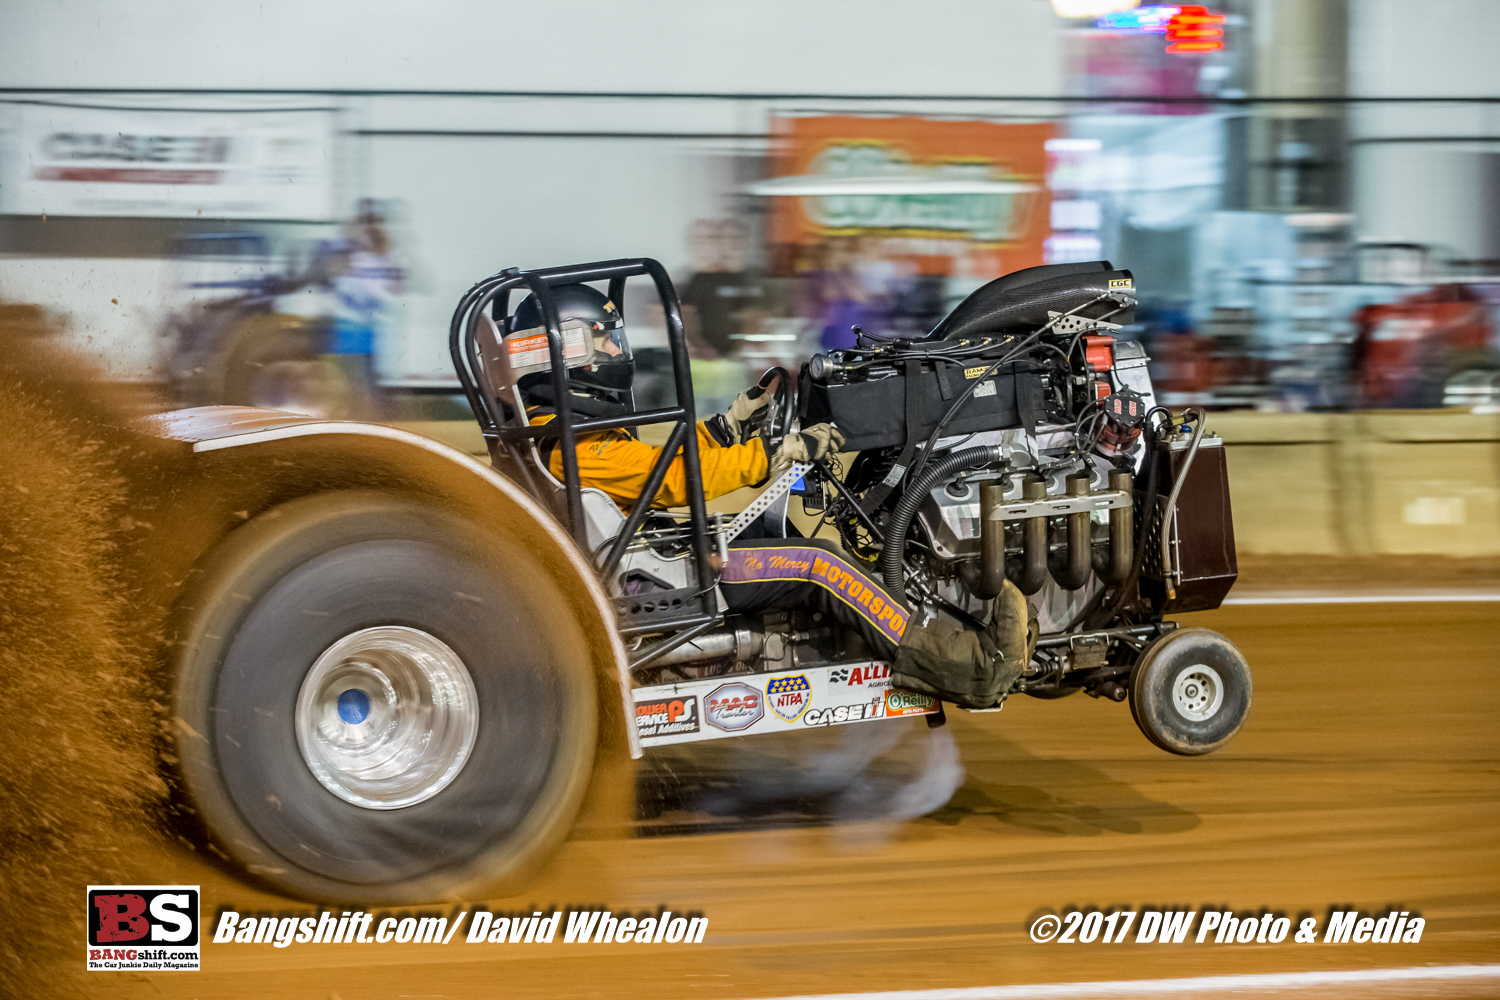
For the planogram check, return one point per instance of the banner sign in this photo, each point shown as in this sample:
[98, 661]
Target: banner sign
[982, 182]
[65, 160]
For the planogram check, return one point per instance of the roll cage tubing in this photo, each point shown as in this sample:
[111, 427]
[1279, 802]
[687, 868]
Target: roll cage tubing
[494, 292]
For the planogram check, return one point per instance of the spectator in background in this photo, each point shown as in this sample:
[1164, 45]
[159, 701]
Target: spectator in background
[880, 281]
[720, 302]
[837, 296]
[364, 287]
[723, 297]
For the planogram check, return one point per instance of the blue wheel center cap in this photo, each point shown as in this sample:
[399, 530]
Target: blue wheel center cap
[354, 706]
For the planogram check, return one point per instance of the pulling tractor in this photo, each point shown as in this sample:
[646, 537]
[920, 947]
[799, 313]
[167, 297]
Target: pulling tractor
[394, 667]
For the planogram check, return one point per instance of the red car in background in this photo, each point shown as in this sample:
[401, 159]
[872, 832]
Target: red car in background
[1429, 349]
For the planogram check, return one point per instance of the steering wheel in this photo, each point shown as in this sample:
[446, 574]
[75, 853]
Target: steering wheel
[778, 421]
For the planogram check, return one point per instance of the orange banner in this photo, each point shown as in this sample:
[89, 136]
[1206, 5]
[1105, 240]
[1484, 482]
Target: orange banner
[933, 182]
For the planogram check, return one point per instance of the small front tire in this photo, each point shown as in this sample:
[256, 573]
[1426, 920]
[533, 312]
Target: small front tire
[1190, 691]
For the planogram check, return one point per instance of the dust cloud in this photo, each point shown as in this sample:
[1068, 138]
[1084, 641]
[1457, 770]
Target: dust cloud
[76, 694]
[875, 776]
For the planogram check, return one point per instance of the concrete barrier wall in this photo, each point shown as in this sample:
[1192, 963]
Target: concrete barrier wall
[1332, 484]
[1360, 484]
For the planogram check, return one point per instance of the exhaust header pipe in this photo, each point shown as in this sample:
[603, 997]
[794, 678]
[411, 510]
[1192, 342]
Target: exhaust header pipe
[1079, 566]
[1032, 573]
[991, 541]
[1121, 529]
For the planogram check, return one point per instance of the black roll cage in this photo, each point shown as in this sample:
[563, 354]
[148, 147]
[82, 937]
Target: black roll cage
[690, 608]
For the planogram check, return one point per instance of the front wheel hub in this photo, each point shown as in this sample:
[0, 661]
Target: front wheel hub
[1198, 692]
[386, 717]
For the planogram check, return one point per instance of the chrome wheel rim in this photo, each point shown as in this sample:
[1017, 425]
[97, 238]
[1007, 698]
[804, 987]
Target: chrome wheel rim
[1198, 693]
[386, 717]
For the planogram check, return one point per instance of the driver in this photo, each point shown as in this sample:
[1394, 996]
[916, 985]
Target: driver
[733, 452]
[930, 650]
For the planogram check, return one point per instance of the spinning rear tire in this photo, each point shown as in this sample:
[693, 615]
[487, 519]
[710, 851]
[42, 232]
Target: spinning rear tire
[1190, 691]
[373, 709]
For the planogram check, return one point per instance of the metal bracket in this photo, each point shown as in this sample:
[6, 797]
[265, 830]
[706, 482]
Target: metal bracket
[1056, 506]
[772, 493]
[1150, 631]
[1064, 323]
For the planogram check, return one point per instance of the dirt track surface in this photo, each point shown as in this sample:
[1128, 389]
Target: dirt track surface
[1368, 776]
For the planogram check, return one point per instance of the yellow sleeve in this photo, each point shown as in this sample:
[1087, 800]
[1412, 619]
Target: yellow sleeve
[619, 465]
[705, 439]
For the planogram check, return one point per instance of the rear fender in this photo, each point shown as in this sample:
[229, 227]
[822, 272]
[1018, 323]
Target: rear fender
[238, 462]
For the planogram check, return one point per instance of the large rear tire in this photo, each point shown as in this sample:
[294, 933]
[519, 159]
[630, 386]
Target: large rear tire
[375, 708]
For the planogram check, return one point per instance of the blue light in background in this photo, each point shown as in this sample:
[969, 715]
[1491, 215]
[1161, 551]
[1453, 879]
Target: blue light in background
[1139, 20]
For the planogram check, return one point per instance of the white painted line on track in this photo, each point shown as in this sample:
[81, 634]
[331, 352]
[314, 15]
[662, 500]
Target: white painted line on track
[1359, 598]
[1197, 984]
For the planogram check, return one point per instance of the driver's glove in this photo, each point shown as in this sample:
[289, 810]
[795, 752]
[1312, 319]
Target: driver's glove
[816, 442]
[742, 420]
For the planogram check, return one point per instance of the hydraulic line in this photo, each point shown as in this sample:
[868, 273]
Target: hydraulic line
[1169, 515]
[916, 491]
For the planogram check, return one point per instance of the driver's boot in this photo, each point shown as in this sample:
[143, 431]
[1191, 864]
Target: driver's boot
[970, 669]
[1013, 630]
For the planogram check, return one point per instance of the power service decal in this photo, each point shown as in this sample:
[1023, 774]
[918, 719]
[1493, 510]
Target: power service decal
[667, 716]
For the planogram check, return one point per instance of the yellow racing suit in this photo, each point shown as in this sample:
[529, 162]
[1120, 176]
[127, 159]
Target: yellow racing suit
[619, 464]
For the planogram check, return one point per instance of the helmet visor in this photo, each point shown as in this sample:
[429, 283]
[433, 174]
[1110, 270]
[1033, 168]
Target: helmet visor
[610, 342]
